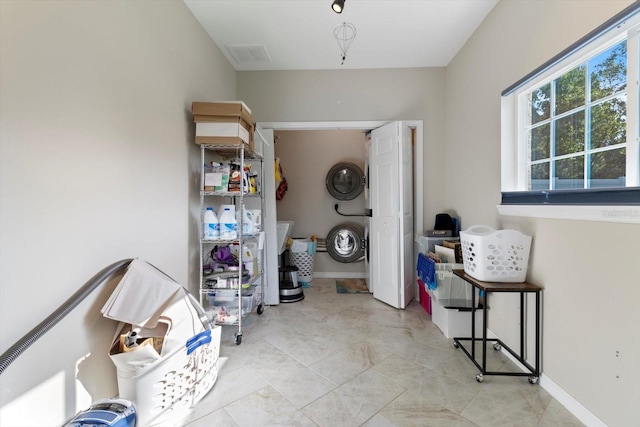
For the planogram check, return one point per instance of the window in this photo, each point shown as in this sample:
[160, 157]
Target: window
[575, 132]
[570, 128]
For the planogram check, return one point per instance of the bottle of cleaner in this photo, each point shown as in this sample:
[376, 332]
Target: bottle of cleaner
[247, 259]
[228, 225]
[245, 218]
[211, 225]
[232, 208]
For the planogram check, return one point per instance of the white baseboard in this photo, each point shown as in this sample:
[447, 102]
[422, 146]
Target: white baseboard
[572, 405]
[564, 398]
[338, 275]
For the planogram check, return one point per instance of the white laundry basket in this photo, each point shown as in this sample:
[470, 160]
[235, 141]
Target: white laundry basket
[165, 386]
[495, 255]
[165, 350]
[301, 256]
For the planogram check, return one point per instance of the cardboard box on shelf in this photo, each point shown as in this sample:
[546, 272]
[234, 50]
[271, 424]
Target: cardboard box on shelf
[224, 119]
[223, 123]
[221, 109]
[224, 130]
[252, 143]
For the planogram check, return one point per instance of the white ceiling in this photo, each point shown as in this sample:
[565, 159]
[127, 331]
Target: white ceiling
[298, 34]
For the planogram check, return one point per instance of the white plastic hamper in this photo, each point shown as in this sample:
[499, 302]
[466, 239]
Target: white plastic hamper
[175, 360]
[495, 255]
[163, 391]
[304, 262]
[300, 256]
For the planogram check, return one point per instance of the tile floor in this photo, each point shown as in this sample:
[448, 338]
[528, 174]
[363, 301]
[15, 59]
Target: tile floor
[350, 360]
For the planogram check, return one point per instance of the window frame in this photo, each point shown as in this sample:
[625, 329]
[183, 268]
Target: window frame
[591, 203]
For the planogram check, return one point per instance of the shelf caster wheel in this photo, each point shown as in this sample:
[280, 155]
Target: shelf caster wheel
[238, 339]
[456, 345]
[260, 308]
[533, 380]
[497, 347]
[479, 378]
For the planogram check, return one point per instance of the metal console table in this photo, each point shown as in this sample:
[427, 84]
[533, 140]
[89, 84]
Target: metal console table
[533, 372]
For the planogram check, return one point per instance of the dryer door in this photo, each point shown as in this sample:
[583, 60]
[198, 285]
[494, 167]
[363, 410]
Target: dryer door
[345, 181]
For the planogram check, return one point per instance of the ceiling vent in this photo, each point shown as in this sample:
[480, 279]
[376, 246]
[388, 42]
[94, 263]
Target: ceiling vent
[248, 53]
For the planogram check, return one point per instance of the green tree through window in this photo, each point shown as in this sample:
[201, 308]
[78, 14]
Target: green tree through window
[577, 125]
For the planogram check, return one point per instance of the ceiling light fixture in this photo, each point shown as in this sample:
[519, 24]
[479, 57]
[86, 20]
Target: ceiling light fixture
[345, 33]
[337, 6]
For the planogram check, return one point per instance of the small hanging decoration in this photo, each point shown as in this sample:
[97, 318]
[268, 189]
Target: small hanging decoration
[345, 33]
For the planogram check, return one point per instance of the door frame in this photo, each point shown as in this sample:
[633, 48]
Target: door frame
[418, 171]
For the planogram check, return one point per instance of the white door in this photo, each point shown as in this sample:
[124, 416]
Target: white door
[391, 234]
[264, 138]
[367, 209]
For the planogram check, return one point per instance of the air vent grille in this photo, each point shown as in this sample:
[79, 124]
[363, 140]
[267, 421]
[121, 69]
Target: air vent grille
[248, 53]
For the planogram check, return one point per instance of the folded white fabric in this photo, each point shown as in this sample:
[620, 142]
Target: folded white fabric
[141, 295]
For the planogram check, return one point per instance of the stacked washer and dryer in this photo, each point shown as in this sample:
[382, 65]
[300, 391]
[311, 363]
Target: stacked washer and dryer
[386, 241]
[347, 241]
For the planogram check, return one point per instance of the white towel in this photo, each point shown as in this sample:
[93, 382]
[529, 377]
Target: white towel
[141, 295]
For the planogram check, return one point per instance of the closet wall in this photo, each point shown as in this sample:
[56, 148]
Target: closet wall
[306, 156]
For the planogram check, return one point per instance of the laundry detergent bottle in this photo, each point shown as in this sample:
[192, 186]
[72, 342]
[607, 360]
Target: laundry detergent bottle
[245, 217]
[228, 225]
[211, 225]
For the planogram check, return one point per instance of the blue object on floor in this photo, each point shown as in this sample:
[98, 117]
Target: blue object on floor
[304, 284]
[106, 412]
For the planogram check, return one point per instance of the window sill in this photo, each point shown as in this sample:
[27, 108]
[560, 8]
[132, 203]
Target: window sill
[620, 214]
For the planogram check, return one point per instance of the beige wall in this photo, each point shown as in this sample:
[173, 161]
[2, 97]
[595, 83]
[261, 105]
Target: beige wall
[306, 157]
[589, 270]
[359, 95]
[97, 164]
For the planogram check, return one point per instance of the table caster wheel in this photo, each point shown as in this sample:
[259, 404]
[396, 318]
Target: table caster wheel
[533, 380]
[260, 308]
[479, 378]
[456, 345]
[238, 338]
[497, 347]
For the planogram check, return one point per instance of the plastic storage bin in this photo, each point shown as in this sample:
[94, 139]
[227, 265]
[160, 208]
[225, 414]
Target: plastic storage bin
[428, 244]
[223, 305]
[442, 285]
[426, 268]
[425, 298]
[455, 322]
[450, 290]
[495, 255]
